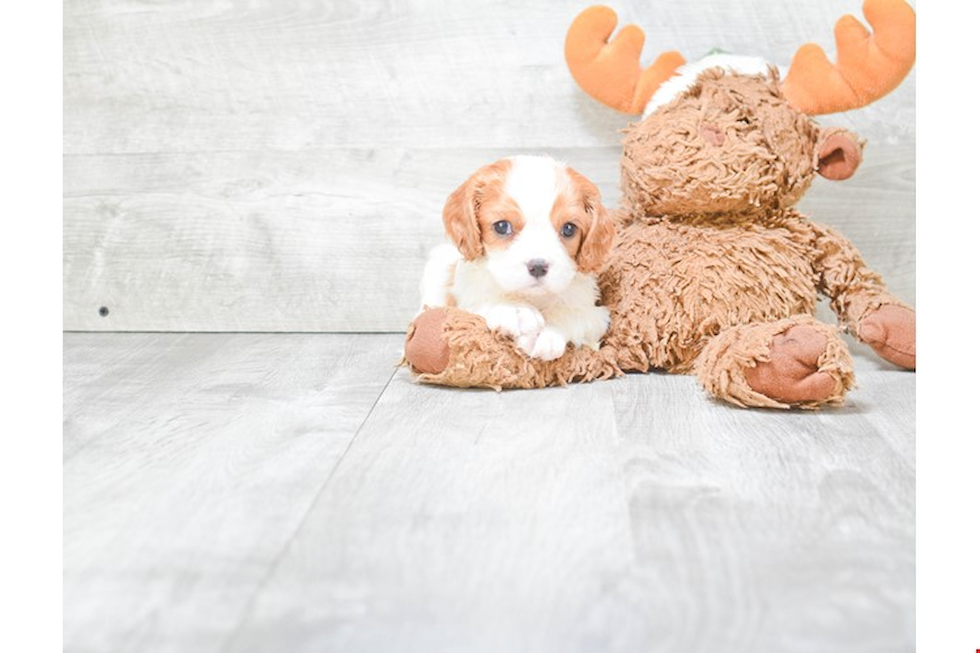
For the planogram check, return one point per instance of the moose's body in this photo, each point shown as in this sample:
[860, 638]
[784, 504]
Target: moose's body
[673, 285]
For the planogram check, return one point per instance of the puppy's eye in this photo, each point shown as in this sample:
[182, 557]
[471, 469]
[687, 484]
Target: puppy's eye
[568, 229]
[743, 121]
[503, 227]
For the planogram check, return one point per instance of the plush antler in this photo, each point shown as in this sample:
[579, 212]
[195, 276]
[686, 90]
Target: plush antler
[610, 71]
[868, 66]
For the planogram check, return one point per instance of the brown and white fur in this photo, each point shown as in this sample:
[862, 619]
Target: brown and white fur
[528, 235]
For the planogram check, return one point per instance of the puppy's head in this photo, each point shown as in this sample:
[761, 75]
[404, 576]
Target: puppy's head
[535, 221]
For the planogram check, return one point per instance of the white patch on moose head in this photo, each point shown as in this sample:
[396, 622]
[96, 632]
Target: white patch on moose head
[685, 76]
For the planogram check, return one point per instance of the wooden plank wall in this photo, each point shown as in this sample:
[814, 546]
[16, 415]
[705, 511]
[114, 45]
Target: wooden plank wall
[280, 165]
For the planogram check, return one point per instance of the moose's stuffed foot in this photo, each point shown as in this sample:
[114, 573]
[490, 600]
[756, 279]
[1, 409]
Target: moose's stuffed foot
[794, 362]
[890, 331]
[426, 351]
[447, 346]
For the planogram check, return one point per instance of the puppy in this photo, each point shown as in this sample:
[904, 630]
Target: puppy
[528, 235]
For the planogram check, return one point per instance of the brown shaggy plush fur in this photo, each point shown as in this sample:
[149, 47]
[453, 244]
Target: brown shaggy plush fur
[713, 272]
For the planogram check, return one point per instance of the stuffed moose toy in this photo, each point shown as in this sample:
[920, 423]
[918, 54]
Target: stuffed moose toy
[713, 272]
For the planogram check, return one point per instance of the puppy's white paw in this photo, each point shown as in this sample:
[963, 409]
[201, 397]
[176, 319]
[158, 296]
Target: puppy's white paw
[514, 319]
[526, 342]
[549, 345]
[595, 323]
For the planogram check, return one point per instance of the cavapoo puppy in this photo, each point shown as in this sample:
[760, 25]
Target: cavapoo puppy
[528, 235]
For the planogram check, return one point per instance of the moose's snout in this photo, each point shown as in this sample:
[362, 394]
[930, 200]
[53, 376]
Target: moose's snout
[712, 134]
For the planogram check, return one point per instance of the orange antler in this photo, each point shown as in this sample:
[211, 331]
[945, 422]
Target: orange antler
[868, 66]
[610, 71]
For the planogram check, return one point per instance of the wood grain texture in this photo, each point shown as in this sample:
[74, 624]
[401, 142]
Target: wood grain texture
[240, 166]
[336, 241]
[505, 530]
[488, 522]
[189, 461]
[240, 493]
[188, 76]
[774, 533]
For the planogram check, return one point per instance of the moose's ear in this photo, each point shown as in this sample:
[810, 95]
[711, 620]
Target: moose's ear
[838, 154]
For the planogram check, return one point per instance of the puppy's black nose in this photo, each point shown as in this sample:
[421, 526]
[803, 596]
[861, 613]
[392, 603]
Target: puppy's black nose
[537, 267]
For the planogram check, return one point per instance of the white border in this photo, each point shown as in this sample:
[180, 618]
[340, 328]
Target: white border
[30, 454]
[947, 253]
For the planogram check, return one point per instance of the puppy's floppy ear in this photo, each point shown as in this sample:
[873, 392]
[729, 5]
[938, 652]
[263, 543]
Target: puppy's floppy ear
[601, 231]
[459, 216]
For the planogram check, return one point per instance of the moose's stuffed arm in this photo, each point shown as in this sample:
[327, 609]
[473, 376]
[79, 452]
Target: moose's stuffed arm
[861, 301]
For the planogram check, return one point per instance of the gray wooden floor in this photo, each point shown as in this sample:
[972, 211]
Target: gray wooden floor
[243, 492]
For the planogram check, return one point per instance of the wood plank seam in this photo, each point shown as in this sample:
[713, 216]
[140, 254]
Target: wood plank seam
[271, 572]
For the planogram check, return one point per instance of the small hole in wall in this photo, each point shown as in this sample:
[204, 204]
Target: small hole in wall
[103, 311]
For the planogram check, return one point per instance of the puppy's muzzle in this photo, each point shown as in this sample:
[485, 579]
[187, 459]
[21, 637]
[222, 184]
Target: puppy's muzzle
[537, 267]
